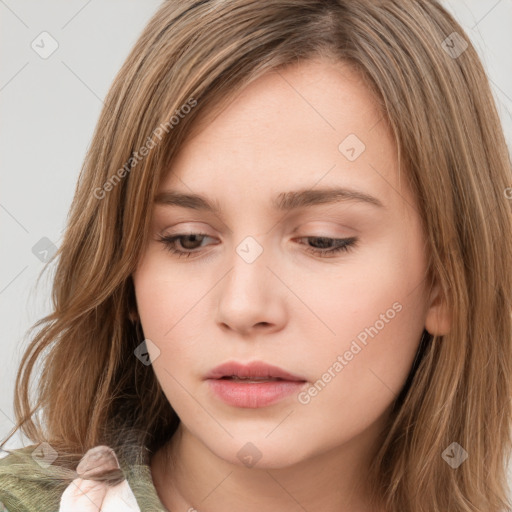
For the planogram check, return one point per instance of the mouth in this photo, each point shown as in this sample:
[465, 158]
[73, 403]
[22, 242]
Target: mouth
[235, 378]
[252, 385]
[253, 372]
[253, 393]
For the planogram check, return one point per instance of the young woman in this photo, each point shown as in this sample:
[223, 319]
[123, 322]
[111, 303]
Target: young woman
[286, 280]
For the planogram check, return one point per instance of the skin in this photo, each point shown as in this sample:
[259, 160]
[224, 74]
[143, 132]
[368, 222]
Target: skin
[289, 307]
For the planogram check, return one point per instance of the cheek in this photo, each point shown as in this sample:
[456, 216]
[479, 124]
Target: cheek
[359, 377]
[376, 315]
[163, 296]
[368, 288]
[169, 303]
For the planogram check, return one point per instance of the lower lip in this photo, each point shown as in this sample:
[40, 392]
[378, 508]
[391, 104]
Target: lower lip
[253, 394]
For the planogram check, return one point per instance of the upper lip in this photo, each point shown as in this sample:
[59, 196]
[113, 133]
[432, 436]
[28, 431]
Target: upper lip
[252, 369]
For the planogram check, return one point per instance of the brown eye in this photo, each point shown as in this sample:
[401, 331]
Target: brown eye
[187, 241]
[340, 244]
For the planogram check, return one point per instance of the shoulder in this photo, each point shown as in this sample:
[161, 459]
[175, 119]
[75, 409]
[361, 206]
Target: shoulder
[29, 482]
[26, 484]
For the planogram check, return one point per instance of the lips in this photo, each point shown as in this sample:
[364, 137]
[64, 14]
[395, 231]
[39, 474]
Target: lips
[255, 370]
[253, 385]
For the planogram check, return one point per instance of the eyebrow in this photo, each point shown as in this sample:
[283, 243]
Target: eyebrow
[285, 201]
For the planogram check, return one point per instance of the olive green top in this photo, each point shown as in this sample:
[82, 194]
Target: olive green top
[28, 486]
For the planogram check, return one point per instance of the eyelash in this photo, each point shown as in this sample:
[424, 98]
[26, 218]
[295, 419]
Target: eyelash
[346, 245]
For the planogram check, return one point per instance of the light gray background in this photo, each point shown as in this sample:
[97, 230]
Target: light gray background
[49, 111]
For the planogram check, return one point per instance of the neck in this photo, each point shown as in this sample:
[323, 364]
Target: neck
[188, 475]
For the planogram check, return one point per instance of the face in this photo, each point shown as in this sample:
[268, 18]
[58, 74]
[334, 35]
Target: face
[261, 283]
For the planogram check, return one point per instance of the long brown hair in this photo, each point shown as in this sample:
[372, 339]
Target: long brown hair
[190, 59]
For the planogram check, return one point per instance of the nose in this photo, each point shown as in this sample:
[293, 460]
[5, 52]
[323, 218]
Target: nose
[250, 296]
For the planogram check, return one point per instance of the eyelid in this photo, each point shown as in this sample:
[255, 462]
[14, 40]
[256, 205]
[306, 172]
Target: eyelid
[303, 230]
[186, 228]
[328, 231]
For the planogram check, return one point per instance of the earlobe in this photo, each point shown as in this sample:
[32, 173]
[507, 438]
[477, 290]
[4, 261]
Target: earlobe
[438, 320]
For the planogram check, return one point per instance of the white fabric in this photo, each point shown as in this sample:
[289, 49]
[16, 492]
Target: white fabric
[84, 495]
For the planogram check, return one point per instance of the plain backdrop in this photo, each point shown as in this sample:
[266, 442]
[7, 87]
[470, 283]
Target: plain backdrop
[49, 110]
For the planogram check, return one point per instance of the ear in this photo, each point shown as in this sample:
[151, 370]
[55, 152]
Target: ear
[438, 320]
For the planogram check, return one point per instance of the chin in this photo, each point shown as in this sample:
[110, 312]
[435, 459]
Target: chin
[259, 453]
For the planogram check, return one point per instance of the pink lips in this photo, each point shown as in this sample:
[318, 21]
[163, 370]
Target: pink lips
[253, 369]
[277, 385]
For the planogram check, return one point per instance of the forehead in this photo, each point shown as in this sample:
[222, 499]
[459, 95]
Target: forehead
[315, 124]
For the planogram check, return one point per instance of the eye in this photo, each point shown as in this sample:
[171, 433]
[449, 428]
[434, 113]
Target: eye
[341, 245]
[191, 241]
[170, 243]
